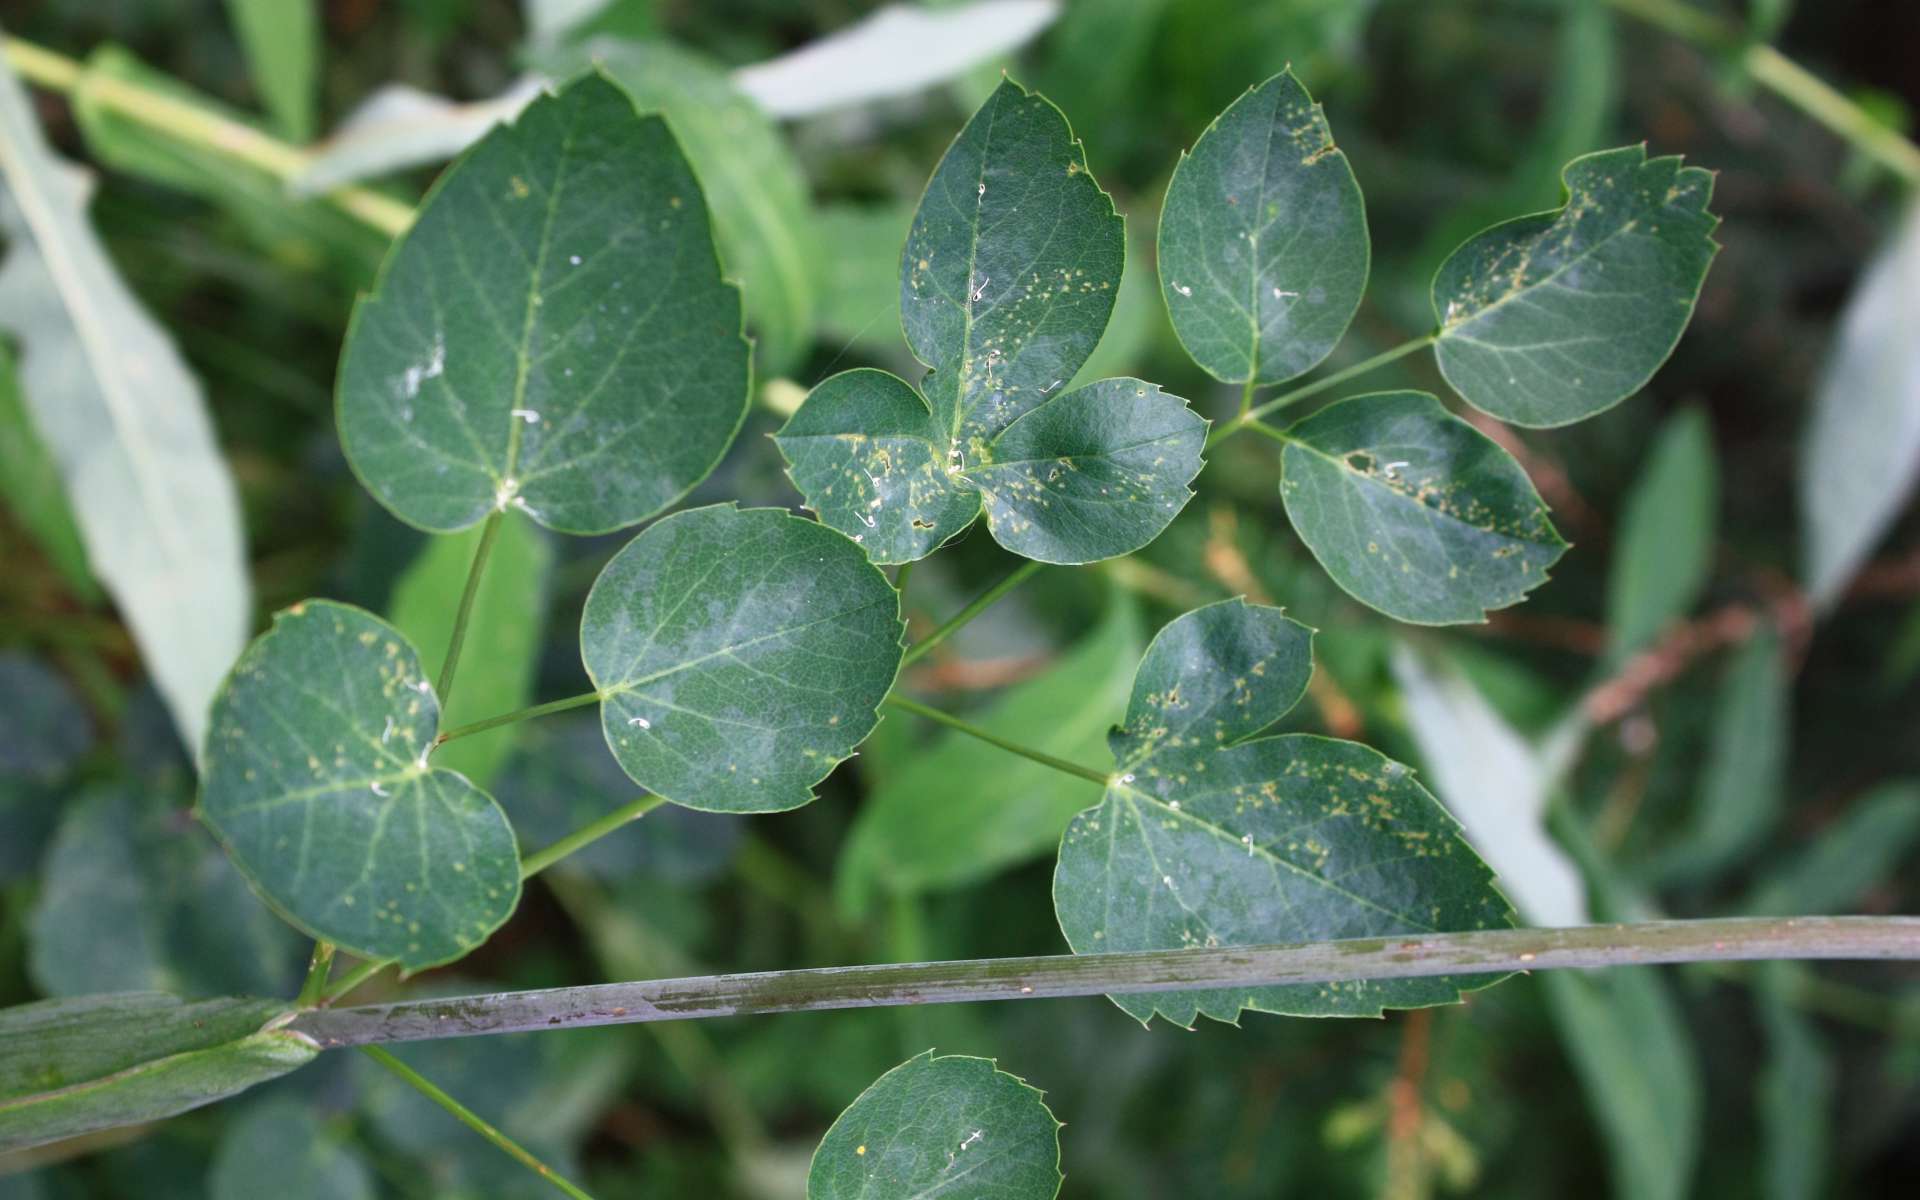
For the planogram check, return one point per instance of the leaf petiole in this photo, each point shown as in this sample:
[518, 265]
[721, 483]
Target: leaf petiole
[464, 614]
[992, 739]
[1250, 415]
[318, 968]
[518, 715]
[473, 1121]
[980, 604]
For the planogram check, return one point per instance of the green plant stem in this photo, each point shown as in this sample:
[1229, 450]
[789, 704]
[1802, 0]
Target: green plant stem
[981, 603]
[530, 866]
[1246, 397]
[972, 730]
[1481, 952]
[1786, 79]
[318, 968]
[473, 1121]
[462, 616]
[188, 123]
[586, 835]
[1252, 413]
[518, 715]
[1268, 431]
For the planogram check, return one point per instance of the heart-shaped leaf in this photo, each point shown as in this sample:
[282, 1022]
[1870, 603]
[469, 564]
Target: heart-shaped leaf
[317, 783]
[931, 1122]
[1263, 239]
[552, 334]
[1413, 511]
[69, 1067]
[1551, 318]
[1211, 836]
[1007, 283]
[739, 655]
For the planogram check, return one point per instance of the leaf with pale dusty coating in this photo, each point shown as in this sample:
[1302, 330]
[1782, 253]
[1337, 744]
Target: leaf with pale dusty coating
[740, 654]
[1415, 512]
[552, 334]
[1210, 835]
[1263, 239]
[1551, 318]
[317, 783]
[947, 1126]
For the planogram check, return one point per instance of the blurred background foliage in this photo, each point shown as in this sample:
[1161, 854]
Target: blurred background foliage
[1669, 727]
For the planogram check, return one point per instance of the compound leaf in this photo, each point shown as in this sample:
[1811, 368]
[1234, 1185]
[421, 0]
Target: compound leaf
[1010, 268]
[1207, 838]
[1551, 318]
[69, 1067]
[1263, 239]
[739, 655]
[1007, 282]
[1413, 511]
[929, 1122]
[317, 783]
[553, 333]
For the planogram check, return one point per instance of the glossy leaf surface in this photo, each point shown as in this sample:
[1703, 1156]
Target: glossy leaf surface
[317, 782]
[1415, 512]
[1551, 318]
[1212, 836]
[552, 334]
[739, 654]
[948, 1126]
[1263, 239]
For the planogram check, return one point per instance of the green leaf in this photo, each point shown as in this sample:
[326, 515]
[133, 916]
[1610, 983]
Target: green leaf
[281, 39]
[1211, 836]
[1551, 318]
[951, 816]
[1860, 459]
[739, 655]
[1069, 477]
[1263, 239]
[281, 1149]
[300, 233]
[1743, 785]
[1010, 268]
[134, 897]
[30, 481]
[762, 214]
[552, 334]
[1091, 474]
[127, 426]
[317, 783]
[1665, 548]
[930, 1123]
[1795, 1092]
[1495, 783]
[864, 452]
[503, 633]
[1635, 1062]
[1415, 512]
[1848, 859]
[69, 1067]
[563, 776]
